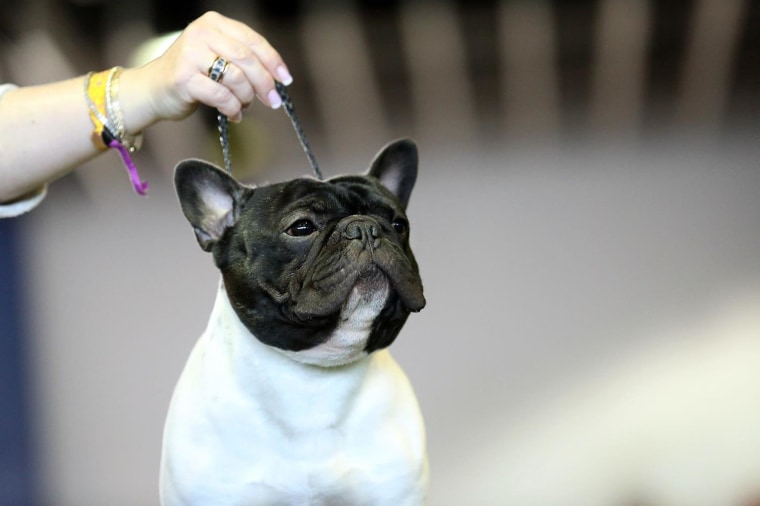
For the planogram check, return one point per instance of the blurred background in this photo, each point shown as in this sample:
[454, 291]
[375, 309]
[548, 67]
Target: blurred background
[587, 222]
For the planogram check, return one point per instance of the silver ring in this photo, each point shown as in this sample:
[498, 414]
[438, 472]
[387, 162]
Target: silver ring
[217, 69]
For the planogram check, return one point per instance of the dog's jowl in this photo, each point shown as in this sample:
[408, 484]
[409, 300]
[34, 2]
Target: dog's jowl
[290, 396]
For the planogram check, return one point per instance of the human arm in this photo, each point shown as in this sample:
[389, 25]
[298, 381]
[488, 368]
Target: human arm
[44, 133]
[45, 130]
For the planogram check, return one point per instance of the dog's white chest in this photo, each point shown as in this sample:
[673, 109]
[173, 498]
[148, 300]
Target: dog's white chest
[249, 425]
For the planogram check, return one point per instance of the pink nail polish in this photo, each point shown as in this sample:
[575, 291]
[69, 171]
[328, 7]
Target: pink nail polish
[284, 75]
[274, 99]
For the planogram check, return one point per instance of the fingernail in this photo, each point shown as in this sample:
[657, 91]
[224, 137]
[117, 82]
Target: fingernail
[274, 99]
[284, 75]
[237, 118]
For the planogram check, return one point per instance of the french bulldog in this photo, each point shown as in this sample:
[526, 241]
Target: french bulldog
[290, 396]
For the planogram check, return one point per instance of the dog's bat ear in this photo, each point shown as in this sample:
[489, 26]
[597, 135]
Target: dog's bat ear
[395, 166]
[210, 199]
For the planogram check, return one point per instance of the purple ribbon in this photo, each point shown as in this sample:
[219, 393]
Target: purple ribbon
[141, 187]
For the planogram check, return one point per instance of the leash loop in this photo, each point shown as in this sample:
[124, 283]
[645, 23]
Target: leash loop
[287, 103]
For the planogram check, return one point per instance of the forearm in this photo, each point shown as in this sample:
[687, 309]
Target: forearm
[45, 132]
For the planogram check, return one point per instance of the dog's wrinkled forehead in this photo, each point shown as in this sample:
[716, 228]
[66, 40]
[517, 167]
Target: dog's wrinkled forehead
[336, 197]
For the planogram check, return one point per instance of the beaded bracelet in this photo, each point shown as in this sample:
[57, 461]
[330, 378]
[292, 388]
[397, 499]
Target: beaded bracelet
[101, 94]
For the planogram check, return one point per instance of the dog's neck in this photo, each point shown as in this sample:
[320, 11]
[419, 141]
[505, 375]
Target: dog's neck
[285, 387]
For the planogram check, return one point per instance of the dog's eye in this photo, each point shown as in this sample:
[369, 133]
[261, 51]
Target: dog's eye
[302, 228]
[400, 225]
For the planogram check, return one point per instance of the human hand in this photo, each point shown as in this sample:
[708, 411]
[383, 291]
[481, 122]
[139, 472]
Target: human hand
[172, 85]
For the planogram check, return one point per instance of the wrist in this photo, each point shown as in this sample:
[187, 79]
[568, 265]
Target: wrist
[135, 101]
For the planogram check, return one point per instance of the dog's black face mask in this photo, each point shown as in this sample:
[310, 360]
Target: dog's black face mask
[291, 254]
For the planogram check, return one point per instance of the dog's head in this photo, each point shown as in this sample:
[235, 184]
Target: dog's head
[320, 269]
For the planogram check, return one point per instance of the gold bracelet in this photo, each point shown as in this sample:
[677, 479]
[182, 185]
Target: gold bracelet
[115, 115]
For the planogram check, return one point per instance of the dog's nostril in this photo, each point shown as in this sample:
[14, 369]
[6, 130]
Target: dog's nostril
[353, 231]
[374, 234]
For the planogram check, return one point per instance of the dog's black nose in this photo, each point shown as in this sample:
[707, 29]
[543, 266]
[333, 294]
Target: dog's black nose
[364, 230]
